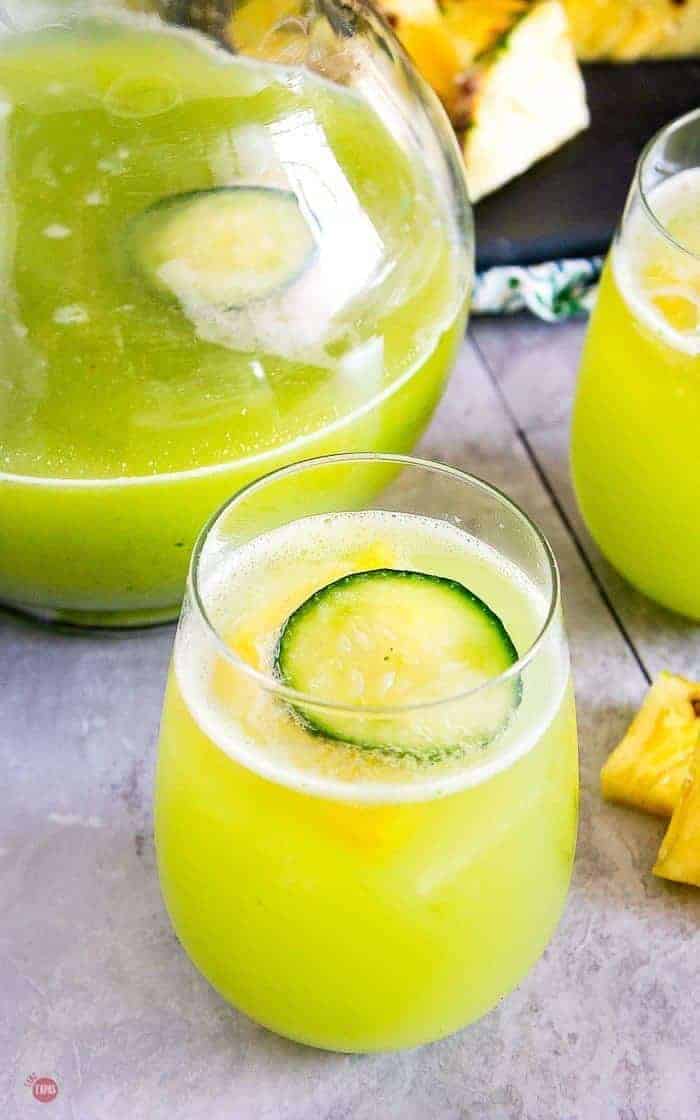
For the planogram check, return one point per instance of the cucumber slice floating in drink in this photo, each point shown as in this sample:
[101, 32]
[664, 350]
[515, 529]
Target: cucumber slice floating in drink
[224, 247]
[386, 639]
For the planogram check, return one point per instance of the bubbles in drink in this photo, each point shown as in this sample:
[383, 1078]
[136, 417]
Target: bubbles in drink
[657, 263]
[249, 592]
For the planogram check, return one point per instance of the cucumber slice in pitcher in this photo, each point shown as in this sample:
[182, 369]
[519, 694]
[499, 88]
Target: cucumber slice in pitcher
[223, 247]
[389, 638]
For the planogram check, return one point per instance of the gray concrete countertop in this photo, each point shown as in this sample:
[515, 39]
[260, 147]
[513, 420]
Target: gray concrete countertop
[94, 989]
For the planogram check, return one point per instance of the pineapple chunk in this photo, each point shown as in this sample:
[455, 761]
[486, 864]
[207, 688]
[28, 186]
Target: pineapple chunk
[679, 855]
[623, 30]
[650, 765]
[525, 98]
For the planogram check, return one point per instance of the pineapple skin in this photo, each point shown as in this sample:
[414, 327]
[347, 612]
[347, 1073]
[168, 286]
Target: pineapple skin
[445, 37]
[422, 29]
[627, 30]
[679, 855]
[649, 767]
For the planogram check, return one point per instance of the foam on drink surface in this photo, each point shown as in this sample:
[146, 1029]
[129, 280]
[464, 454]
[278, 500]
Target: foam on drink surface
[250, 591]
[660, 278]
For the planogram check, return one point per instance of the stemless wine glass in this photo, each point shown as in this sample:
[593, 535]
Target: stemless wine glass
[637, 410]
[231, 235]
[371, 863]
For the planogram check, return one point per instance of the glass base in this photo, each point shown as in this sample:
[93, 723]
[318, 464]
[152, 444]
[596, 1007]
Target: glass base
[114, 622]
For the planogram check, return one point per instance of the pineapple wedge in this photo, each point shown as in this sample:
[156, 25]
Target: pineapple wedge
[624, 30]
[650, 765]
[524, 98]
[679, 855]
[505, 71]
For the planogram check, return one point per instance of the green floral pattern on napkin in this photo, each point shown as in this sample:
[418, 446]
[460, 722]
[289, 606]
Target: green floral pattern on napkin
[553, 291]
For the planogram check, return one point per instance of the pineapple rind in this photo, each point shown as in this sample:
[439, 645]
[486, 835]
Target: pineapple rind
[679, 855]
[421, 27]
[478, 25]
[625, 30]
[649, 766]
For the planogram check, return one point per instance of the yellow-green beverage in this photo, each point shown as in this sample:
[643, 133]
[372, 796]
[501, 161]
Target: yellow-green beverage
[209, 265]
[637, 411]
[373, 863]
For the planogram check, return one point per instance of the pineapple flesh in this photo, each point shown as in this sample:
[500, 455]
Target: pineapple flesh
[477, 25]
[679, 855]
[657, 767]
[650, 765]
[625, 30]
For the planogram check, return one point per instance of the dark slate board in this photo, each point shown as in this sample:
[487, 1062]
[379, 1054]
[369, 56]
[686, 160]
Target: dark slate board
[568, 204]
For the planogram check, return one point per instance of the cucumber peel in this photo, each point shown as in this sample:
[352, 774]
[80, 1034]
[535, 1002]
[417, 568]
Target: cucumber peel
[391, 639]
[223, 247]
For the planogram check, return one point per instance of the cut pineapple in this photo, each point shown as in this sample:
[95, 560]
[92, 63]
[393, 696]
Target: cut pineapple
[421, 27]
[506, 73]
[445, 37]
[477, 25]
[624, 30]
[525, 98]
[650, 765]
[679, 855]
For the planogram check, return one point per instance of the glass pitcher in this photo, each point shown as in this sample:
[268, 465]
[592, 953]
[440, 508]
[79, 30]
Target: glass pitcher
[232, 236]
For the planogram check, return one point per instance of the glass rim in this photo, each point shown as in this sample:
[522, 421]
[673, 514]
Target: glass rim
[647, 150]
[272, 684]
